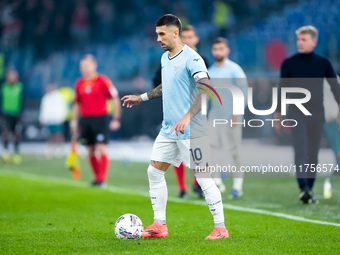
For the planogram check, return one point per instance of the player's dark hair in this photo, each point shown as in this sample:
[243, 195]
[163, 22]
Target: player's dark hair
[169, 20]
[221, 40]
[189, 28]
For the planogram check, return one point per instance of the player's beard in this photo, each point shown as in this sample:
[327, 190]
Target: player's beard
[219, 59]
[166, 47]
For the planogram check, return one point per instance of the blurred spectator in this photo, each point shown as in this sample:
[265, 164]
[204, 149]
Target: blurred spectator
[44, 31]
[29, 15]
[60, 35]
[223, 17]
[80, 25]
[105, 15]
[10, 24]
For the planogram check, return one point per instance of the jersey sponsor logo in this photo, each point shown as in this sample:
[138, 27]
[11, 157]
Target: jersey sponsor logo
[176, 69]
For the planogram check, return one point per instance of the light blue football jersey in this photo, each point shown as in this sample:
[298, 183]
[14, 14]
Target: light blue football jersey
[180, 92]
[229, 73]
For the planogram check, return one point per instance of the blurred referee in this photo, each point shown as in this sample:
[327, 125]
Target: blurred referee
[91, 94]
[307, 70]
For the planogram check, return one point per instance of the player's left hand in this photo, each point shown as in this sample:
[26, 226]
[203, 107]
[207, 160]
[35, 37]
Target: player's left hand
[114, 125]
[181, 125]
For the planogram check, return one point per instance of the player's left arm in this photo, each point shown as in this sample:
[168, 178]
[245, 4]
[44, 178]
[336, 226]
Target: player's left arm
[113, 94]
[201, 79]
[115, 123]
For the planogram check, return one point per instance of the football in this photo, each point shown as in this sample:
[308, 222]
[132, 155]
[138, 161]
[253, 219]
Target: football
[128, 227]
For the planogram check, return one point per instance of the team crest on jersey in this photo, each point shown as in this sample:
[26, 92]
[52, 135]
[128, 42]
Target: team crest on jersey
[176, 69]
[100, 138]
[88, 89]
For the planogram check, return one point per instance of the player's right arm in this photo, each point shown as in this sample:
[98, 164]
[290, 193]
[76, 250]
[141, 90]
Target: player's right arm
[130, 100]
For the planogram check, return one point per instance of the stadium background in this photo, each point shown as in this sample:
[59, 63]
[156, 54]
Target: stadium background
[44, 211]
[45, 39]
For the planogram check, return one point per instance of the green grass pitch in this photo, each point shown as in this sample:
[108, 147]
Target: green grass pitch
[43, 211]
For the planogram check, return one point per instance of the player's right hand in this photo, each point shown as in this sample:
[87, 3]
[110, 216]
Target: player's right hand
[130, 100]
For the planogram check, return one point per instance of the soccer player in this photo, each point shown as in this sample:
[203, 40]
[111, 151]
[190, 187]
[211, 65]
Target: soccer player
[307, 133]
[183, 134]
[228, 138]
[331, 132]
[90, 106]
[11, 108]
[190, 38]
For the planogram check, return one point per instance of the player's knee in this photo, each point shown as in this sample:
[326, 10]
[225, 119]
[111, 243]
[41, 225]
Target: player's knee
[100, 149]
[206, 182]
[159, 165]
[91, 151]
[156, 177]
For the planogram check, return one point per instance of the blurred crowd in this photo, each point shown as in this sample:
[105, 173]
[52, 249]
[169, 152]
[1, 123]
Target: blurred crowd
[51, 25]
[45, 39]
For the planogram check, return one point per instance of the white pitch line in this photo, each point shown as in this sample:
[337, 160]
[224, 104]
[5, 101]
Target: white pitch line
[33, 177]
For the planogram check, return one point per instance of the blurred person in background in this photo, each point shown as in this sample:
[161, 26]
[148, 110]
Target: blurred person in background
[105, 14]
[11, 109]
[68, 95]
[43, 34]
[53, 112]
[223, 16]
[90, 108]
[307, 133]
[80, 25]
[11, 24]
[332, 133]
[228, 139]
[190, 38]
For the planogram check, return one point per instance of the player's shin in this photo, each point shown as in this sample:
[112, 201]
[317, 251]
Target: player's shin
[158, 193]
[213, 198]
[104, 167]
[94, 165]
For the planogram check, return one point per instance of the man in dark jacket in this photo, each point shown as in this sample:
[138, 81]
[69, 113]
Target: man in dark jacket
[307, 70]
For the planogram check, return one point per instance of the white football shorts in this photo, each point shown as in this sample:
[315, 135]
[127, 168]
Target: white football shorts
[195, 153]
